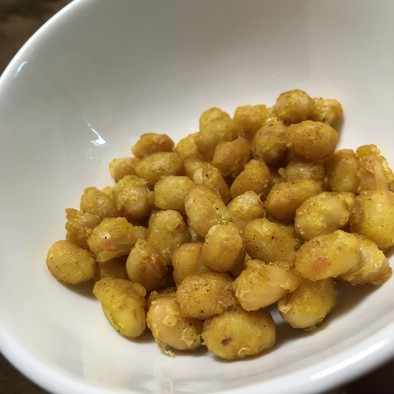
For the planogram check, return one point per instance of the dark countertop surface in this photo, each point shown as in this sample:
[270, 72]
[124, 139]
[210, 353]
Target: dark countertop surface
[19, 19]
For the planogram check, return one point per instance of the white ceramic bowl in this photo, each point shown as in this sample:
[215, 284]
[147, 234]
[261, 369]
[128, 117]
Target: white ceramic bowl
[102, 72]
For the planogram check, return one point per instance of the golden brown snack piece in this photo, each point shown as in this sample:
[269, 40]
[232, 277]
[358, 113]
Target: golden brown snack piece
[246, 212]
[170, 328]
[374, 267]
[343, 171]
[294, 106]
[246, 207]
[123, 303]
[230, 157]
[167, 230]
[98, 202]
[205, 208]
[122, 166]
[206, 294]
[224, 248]
[327, 111]
[321, 214]
[269, 241]
[269, 142]
[216, 126]
[373, 217]
[187, 260]
[260, 285]
[209, 175]
[149, 143]
[146, 265]
[309, 304]
[312, 140]
[187, 148]
[70, 263]
[256, 177]
[192, 165]
[211, 114]
[298, 169]
[170, 192]
[251, 118]
[285, 197]
[156, 294]
[132, 197]
[328, 256]
[375, 173]
[79, 226]
[112, 238]
[237, 334]
[156, 165]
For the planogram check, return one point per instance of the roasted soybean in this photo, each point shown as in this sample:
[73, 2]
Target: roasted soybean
[196, 239]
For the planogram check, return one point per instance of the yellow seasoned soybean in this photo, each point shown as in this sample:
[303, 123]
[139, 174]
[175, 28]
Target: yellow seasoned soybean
[297, 170]
[246, 207]
[238, 334]
[145, 265]
[195, 294]
[251, 118]
[269, 142]
[244, 213]
[327, 111]
[294, 106]
[79, 226]
[70, 263]
[373, 217]
[374, 267]
[122, 166]
[260, 285]
[209, 175]
[312, 140]
[256, 176]
[328, 256]
[269, 241]
[170, 328]
[192, 165]
[342, 171]
[112, 238]
[212, 114]
[132, 197]
[150, 143]
[187, 260]
[156, 294]
[321, 214]
[156, 165]
[170, 192]
[214, 131]
[348, 197]
[166, 232]
[123, 303]
[224, 249]
[285, 197]
[187, 148]
[230, 157]
[309, 304]
[97, 202]
[375, 173]
[205, 208]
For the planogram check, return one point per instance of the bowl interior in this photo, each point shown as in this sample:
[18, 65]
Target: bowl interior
[80, 93]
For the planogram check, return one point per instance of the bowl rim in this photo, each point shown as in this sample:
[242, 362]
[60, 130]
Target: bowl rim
[379, 351]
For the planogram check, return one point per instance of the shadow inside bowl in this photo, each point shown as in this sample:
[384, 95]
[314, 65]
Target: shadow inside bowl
[83, 289]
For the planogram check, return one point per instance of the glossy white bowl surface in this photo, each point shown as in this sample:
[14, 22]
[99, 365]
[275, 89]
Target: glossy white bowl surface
[102, 72]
